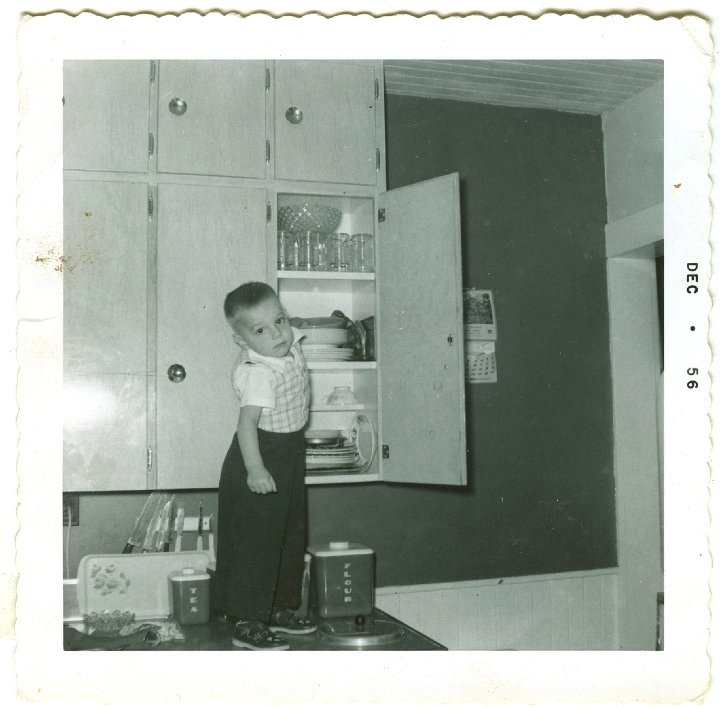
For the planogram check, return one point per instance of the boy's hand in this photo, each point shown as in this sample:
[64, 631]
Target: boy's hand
[261, 482]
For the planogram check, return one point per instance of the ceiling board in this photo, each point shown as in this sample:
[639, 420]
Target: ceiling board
[587, 86]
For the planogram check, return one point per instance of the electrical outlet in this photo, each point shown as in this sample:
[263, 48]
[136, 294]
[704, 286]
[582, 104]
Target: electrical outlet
[71, 509]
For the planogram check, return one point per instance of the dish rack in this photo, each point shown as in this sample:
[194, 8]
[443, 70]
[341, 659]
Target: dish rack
[352, 455]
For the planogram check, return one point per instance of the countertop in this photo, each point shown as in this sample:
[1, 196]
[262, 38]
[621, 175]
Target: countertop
[216, 635]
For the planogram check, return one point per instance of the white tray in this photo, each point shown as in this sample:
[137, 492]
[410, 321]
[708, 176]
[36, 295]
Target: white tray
[137, 582]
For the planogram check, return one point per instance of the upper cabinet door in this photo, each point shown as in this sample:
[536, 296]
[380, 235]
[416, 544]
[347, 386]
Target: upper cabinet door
[420, 334]
[211, 118]
[210, 240]
[106, 115]
[105, 277]
[325, 122]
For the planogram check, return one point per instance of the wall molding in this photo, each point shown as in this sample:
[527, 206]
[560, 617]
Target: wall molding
[560, 611]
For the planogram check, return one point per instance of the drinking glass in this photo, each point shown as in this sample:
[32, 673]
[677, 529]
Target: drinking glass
[322, 251]
[287, 250]
[339, 252]
[308, 250]
[363, 253]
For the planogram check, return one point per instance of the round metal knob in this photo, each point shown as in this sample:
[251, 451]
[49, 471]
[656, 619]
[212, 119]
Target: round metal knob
[176, 373]
[294, 115]
[177, 106]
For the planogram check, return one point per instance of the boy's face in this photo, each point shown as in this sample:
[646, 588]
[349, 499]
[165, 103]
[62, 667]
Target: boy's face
[264, 328]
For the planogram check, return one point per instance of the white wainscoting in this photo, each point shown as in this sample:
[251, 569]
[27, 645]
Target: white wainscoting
[563, 611]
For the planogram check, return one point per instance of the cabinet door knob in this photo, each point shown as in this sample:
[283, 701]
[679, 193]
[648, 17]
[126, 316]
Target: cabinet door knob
[177, 106]
[294, 114]
[176, 373]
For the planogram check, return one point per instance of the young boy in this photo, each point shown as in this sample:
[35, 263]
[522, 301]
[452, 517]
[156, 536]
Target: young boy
[261, 497]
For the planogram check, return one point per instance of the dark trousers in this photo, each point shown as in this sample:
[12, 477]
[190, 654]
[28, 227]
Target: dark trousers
[261, 537]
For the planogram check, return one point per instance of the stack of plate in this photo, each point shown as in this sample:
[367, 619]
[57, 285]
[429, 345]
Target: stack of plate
[327, 352]
[327, 450]
[318, 458]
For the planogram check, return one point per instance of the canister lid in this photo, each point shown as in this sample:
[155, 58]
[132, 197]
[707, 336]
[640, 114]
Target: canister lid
[188, 574]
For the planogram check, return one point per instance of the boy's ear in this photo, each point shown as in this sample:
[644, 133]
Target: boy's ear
[238, 340]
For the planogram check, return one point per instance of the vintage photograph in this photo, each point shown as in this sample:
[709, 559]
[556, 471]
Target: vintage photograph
[363, 354]
[338, 210]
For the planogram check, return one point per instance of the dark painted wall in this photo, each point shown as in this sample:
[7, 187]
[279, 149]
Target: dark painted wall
[540, 496]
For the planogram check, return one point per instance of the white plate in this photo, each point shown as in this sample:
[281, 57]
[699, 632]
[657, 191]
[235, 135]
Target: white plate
[323, 347]
[329, 355]
[323, 434]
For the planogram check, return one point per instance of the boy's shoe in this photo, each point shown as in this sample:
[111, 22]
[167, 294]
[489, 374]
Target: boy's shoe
[288, 622]
[257, 636]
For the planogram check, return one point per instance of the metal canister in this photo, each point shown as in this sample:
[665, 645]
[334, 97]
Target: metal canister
[342, 579]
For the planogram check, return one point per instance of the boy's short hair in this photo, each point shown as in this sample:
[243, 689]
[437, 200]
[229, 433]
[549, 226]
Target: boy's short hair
[247, 296]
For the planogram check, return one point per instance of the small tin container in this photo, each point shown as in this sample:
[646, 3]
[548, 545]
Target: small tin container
[190, 596]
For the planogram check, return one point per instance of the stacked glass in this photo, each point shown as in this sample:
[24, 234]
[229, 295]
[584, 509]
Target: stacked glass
[316, 250]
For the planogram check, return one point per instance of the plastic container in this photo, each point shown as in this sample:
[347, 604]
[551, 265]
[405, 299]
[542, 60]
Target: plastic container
[190, 596]
[342, 579]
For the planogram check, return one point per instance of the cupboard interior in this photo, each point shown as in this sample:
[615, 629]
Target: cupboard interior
[319, 294]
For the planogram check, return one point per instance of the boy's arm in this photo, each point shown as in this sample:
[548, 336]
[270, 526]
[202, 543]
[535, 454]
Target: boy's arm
[259, 480]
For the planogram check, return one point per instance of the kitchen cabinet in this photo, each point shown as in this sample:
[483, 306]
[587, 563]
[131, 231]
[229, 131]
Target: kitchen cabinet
[210, 240]
[211, 118]
[133, 311]
[149, 258]
[105, 324]
[420, 363]
[106, 114]
[325, 122]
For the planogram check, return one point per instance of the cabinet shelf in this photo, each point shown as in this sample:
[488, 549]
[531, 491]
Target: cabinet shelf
[322, 275]
[340, 478]
[340, 365]
[327, 408]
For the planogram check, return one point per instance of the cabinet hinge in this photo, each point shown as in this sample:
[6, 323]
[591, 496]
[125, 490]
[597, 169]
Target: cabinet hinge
[377, 159]
[381, 215]
[151, 207]
[149, 459]
[151, 144]
[377, 90]
[386, 452]
[267, 152]
[267, 79]
[152, 71]
[268, 212]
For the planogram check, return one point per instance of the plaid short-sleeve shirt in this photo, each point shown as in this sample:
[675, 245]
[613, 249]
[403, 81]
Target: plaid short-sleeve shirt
[279, 385]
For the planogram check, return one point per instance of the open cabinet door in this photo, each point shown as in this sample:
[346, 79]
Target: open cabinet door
[420, 344]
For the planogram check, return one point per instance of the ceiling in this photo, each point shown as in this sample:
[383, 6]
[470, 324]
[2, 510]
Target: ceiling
[571, 86]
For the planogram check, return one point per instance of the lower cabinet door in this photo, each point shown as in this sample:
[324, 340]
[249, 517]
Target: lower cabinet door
[104, 432]
[209, 241]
